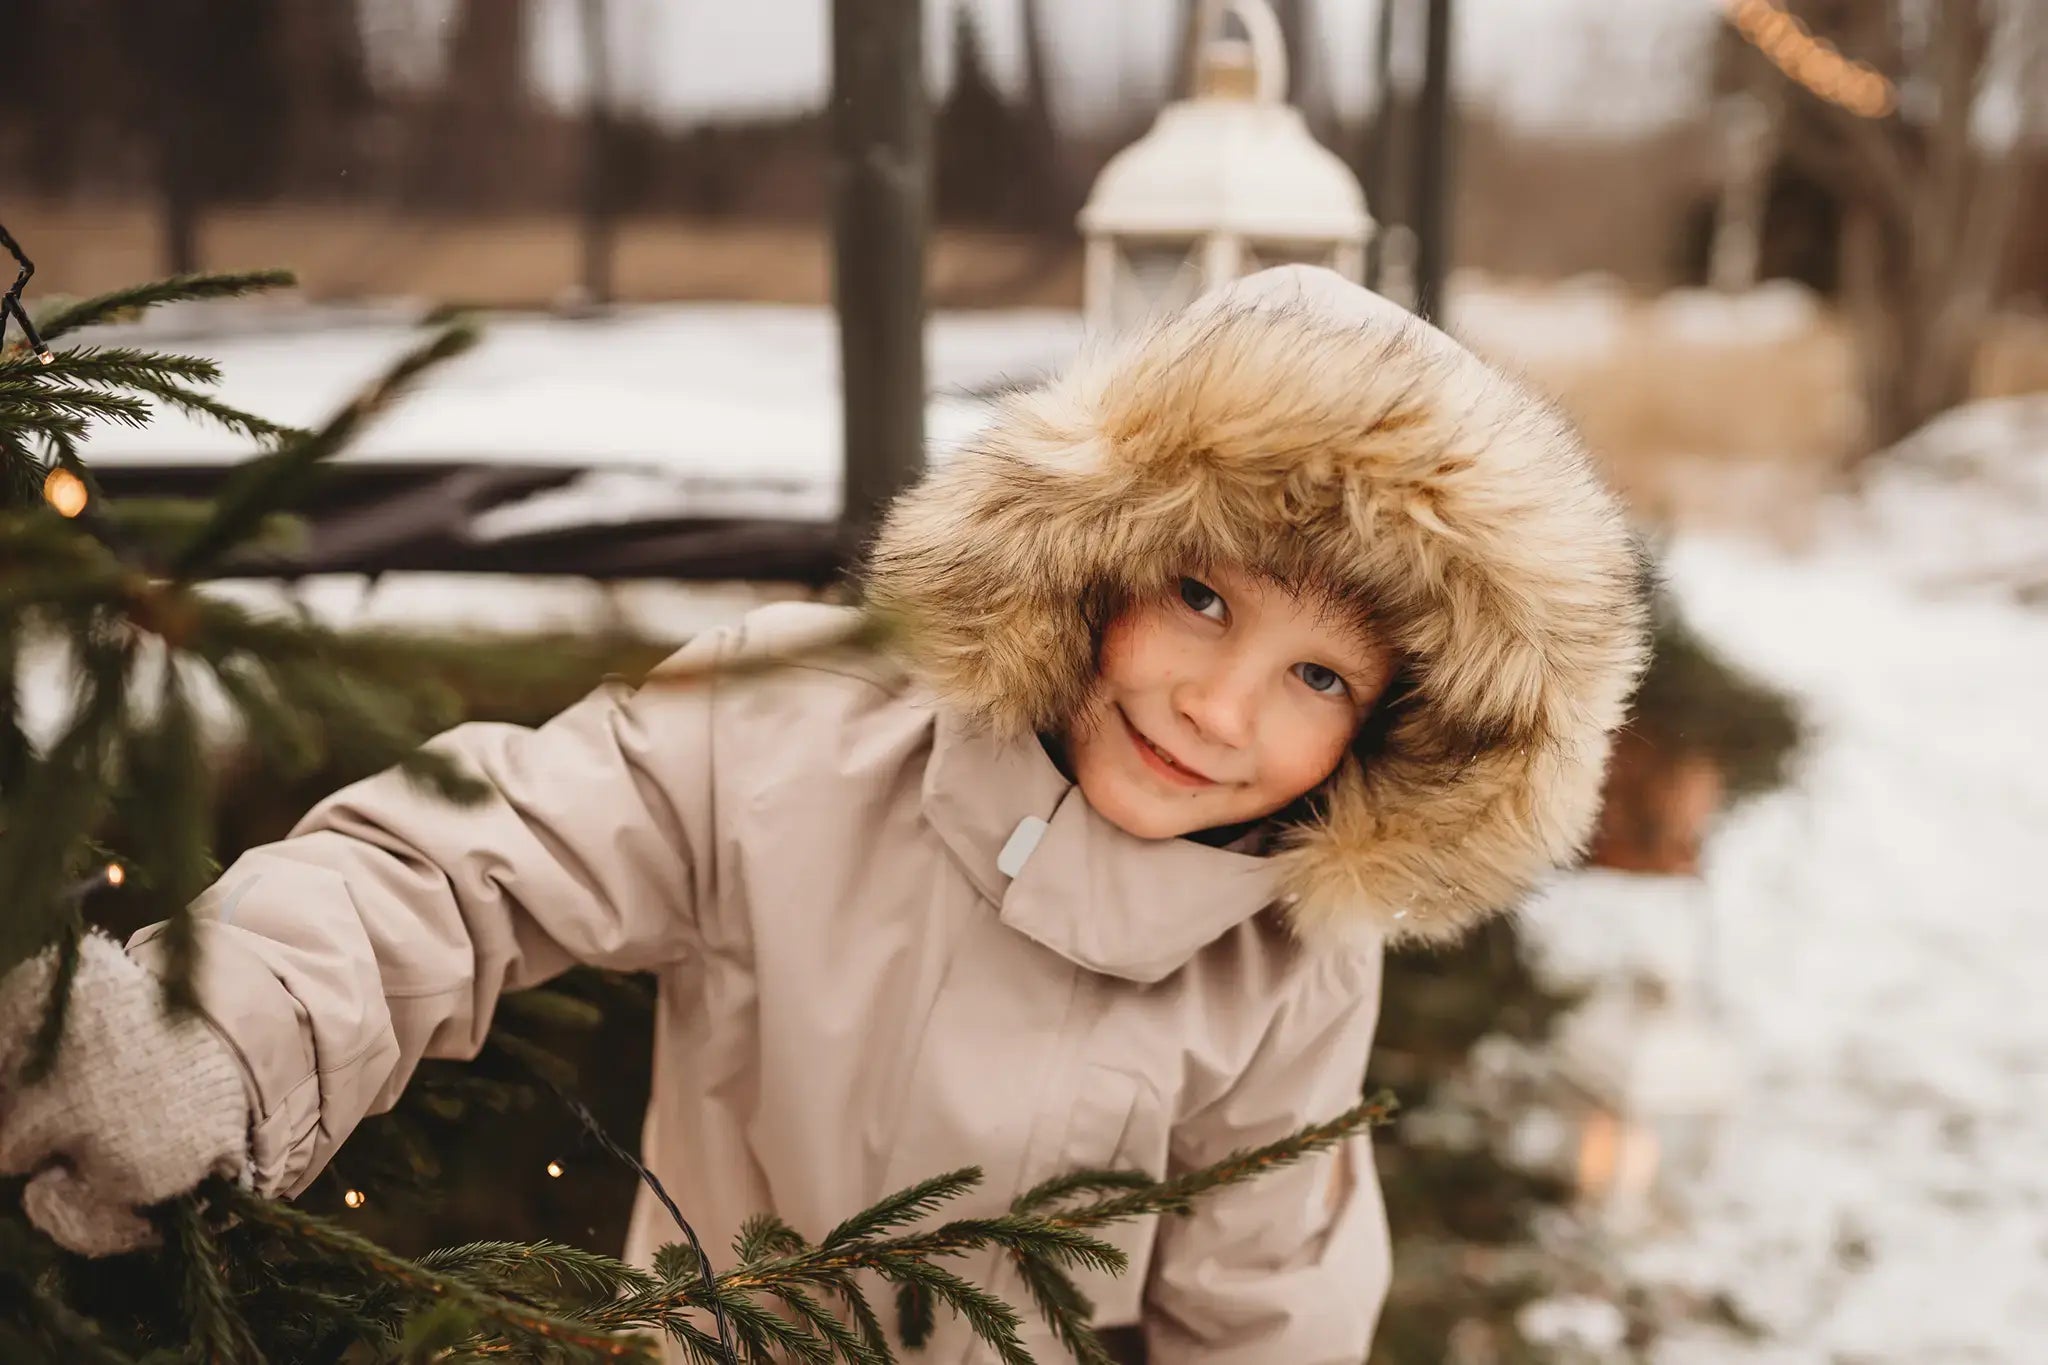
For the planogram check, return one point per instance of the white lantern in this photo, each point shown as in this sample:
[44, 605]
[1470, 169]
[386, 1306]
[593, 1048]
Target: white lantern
[1223, 184]
[1658, 1075]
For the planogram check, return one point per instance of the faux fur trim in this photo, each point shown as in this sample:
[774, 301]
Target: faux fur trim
[1296, 422]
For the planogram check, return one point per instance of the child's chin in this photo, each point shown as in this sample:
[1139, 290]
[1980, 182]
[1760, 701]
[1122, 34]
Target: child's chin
[1144, 818]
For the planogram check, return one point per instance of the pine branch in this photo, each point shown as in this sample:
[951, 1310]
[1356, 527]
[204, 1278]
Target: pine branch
[112, 366]
[63, 798]
[1177, 1194]
[233, 418]
[32, 407]
[151, 530]
[217, 1331]
[163, 376]
[496, 1300]
[916, 1315]
[508, 1318]
[122, 304]
[1066, 1309]
[510, 1267]
[1076, 1183]
[167, 787]
[274, 482]
[905, 1206]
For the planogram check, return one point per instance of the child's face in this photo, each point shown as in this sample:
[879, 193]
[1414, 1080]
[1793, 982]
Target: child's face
[1254, 694]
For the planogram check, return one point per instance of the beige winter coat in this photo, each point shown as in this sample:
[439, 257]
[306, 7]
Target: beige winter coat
[891, 939]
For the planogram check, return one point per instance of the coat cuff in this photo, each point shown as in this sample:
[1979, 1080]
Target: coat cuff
[242, 1001]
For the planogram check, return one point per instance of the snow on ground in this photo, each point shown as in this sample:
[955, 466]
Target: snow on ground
[1960, 507]
[709, 396]
[1877, 938]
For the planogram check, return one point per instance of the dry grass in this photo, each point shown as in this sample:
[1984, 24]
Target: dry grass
[1735, 431]
[530, 261]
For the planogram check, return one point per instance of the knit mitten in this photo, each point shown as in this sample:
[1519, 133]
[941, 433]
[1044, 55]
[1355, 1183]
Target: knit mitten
[138, 1107]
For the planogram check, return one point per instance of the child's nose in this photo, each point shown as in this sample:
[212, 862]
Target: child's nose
[1220, 708]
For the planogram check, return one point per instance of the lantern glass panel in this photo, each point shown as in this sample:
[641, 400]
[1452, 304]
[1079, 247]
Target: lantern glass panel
[1261, 255]
[1157, 276]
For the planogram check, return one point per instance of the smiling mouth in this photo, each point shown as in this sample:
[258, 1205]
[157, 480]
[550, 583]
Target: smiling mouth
[1162, 760]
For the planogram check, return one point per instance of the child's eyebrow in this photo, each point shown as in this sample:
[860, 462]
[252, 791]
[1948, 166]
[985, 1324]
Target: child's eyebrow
[1354, 624]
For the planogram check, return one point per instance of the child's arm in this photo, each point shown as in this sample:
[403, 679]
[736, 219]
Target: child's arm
[385, 927]
[1294, 1265]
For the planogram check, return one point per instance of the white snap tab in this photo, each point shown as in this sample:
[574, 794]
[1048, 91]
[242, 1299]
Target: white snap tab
[1023, 840]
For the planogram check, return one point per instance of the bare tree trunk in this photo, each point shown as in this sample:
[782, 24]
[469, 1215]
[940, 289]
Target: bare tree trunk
[1928, 213]
[1749, 149]
[1433, 169]
[1377, 172]
[1037, 92]
[172, 30]
[600, 204]
[881, 193]
[463, 162]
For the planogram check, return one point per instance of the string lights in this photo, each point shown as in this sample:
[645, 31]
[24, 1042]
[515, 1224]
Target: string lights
[1813, 62]
[110, 875]
[10, 302]
[66, 492]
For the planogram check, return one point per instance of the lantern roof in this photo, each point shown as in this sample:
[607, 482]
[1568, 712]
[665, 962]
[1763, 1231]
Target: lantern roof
[1225, 163]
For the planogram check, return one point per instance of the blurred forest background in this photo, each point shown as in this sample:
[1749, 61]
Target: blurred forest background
[494, 154]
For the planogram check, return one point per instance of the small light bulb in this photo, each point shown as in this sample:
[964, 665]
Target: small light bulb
[65, 491]
[116, 874]
[354, 1199]
[555, 1169]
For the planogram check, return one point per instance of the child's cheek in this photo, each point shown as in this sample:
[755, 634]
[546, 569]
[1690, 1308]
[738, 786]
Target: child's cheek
[1306, 756]
[1131, 651]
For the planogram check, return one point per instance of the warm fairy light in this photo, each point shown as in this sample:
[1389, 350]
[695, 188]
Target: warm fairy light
[1813, 62]
[1598, 1155]
[555, 1169]
[1617, 1159]
[65, 491]
[116, 874]
[354, 1199]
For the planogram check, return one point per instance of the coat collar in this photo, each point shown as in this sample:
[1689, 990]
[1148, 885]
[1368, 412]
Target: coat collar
[1104, 899]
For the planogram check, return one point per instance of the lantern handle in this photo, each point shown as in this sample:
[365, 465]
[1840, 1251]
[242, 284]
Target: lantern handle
[1268, 42]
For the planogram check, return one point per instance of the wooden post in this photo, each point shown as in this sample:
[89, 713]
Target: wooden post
[600, 159]
[881, 196]
[1432, 169]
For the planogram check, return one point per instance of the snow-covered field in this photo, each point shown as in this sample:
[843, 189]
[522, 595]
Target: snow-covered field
[1877, 934]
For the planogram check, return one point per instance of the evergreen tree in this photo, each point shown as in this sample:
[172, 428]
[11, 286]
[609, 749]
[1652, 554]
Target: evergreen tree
[114, 592]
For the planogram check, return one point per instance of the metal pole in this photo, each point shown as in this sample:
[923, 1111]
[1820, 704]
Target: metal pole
[1432, 171]
[881, 193]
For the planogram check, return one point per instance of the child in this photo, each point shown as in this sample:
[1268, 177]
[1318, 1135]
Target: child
[1276, 632]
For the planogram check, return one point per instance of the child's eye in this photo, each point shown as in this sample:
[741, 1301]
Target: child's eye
[1336, 678]
[1199, 596]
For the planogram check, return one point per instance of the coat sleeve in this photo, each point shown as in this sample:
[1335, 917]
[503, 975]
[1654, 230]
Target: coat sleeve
[1293, 1265]
[385, 926]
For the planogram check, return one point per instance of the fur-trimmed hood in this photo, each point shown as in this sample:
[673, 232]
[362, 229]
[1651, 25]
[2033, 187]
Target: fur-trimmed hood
[1298, 423]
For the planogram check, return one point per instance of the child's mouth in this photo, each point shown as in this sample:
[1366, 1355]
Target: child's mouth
[1158, 761]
